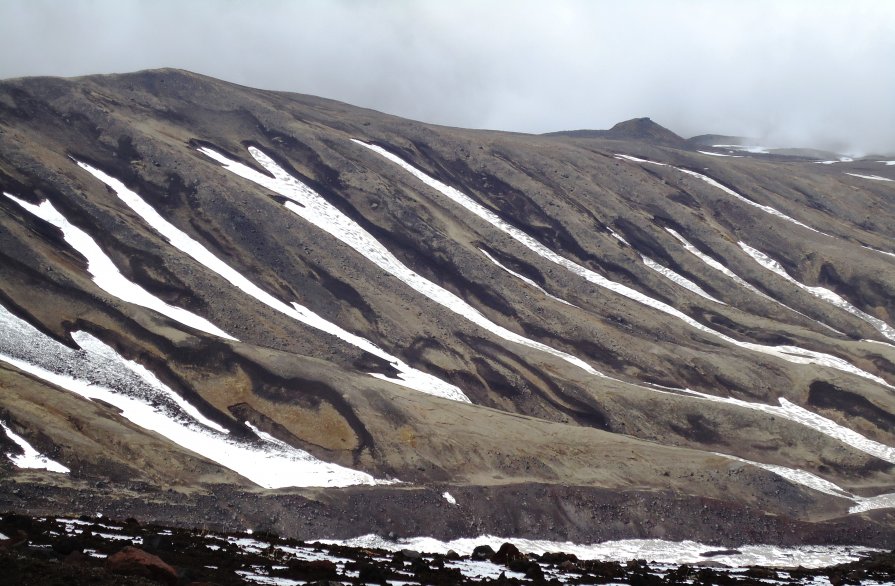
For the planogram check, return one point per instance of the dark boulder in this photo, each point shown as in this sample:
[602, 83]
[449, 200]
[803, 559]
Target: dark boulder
[132, 561]
[482, 553]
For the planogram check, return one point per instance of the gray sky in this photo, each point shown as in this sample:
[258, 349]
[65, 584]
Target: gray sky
[807, 73]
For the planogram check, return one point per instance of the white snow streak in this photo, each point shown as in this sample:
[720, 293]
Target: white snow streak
[720, 154]
[889, 163]
[31, 458]
[736, 278]
[715, 264]
[759, 150]
[878, 250]
[874, 177]
[524, 279]
[408, 376]
[449, 498]
[98, 372]
[107, 276]
[727, 190]
[657, 550]
[312, 207]
[796, 476]
[792, 354]
[819, 292]
[678, 279]
[618, 237]
[792, 412]
[814, 482]
[764, 208]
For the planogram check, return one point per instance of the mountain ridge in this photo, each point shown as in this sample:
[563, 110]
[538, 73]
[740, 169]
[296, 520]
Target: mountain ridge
[587, 229]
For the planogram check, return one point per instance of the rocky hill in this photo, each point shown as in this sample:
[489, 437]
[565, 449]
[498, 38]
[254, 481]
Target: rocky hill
[243, 308]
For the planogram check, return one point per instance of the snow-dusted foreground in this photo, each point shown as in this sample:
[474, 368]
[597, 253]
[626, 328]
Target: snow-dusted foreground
[657, 550]
[312, 207]
[792, 354]
[408, 376]
[31, 458]
[820, 292]
[96, 371]
[107, 276]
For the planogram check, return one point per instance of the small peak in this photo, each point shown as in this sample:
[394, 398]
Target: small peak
[643, 129]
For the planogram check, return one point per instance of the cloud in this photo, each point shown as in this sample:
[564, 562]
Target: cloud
[811, 72]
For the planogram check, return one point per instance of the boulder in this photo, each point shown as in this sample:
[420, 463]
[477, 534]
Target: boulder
[506, 554]
[132, 561]
[482, 553]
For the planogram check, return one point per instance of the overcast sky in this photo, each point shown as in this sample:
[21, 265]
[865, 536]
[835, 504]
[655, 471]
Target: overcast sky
[808, 73]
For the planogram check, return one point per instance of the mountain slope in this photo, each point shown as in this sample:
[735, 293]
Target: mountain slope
[300, 284]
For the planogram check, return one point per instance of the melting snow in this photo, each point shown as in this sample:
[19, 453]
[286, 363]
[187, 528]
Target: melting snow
[889, 163]
[618, 237]
[678, 279]
[727, 190]
[874, 177]
[720, 154]
[789, 353]
[31, 458]
[408, 376]
[449, 498]
[819, 292]
[736, 278]
[524, 279]
[669, 552]
[98, 372]
[316, 210]
[792, 412]
[797, 476]
[761, 150]
[107, 276]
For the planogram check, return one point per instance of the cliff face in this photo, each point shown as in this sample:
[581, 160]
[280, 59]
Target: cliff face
[212, 289]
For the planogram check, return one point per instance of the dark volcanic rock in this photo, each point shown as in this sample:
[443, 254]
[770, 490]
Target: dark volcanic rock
[132, 561]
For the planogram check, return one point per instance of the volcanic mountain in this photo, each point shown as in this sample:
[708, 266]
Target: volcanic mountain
[228, 307]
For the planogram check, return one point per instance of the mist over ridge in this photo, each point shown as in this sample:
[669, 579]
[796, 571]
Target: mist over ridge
[799, 74]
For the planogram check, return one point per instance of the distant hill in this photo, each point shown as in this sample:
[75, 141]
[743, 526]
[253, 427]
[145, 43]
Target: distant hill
[634, 129]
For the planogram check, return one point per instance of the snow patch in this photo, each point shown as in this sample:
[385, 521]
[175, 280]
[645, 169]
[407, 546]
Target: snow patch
[792, 412]
[312, 207]
[31, 458]
[408, 376]
[727, 190]
[792, 354]
[678, 279]
[107, 276]
[449, 498]
[96, 371]
[720, 154]
[759, 150]
[736, 278]
[874, 177]
[820, 292]
[524, 279]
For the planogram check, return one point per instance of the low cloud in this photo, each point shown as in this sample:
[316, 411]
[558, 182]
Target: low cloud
[797, 73]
